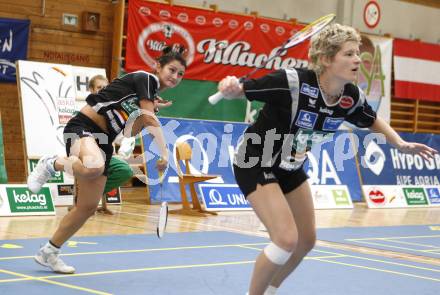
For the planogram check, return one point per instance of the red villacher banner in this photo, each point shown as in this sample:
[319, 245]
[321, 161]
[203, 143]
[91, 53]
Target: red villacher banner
[218, 44]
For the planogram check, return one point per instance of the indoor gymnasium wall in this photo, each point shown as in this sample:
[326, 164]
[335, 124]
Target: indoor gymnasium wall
[51, 41]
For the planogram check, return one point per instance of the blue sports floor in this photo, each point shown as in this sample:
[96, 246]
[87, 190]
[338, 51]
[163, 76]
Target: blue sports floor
[206, 263]
[423, 240]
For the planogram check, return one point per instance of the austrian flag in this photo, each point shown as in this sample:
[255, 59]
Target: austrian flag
[416, 70]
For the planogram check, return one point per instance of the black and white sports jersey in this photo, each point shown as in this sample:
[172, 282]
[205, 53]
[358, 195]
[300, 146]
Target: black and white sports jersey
[121, 97]
[295, 116]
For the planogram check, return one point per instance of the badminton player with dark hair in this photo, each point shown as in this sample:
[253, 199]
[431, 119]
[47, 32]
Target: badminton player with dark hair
[118, 172]
[301, 108]
[126, 105]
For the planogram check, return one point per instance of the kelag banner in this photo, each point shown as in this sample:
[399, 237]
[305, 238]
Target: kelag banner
[330, 164]
[218, 44]
[13, 46]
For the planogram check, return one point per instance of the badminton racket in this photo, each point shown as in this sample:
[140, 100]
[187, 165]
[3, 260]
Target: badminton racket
[299, 37]
[163, 211]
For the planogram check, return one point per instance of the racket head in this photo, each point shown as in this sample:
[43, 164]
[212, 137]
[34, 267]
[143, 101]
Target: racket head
[308, 31]
[163, 219]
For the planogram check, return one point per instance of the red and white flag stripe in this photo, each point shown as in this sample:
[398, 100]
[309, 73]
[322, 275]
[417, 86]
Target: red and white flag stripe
[416, 70]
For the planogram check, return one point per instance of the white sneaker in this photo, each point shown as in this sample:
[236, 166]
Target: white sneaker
[48, 256]
[41, 173]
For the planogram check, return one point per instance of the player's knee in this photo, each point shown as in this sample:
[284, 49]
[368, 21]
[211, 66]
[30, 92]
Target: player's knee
[286, 239]
[92, 172]
[93, 167]
[87, 210]
[276, 254]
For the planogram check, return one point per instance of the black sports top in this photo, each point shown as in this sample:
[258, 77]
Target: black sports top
[121, 97]
[295, 116]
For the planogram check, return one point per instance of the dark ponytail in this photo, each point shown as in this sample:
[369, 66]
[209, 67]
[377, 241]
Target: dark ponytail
[172, 53]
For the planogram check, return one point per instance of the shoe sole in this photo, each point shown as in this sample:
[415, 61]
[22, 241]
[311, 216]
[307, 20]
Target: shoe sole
[37, 260]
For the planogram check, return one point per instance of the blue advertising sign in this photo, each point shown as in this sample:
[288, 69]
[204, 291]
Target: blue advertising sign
[213, 146]
[213, 143]
[221, 197]
[332, 162]
[380, 163]
[14, 35]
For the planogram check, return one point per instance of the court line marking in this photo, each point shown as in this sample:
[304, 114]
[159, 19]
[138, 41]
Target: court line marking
[380, 270]
[247, 246]
[340, 255]
[230, 229]
[170, 267]
[395, 238]
[48, 281]
[143, 250]
[432, 250]
[388, 246]
[336, 255]
[411, 243]
[381, 261]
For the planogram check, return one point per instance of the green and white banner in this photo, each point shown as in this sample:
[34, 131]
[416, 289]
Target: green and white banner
[17, 200]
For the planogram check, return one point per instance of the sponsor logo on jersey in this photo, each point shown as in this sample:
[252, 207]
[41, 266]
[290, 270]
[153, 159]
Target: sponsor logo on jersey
[332, 124]
[268, 176]
[309, 90]
[326, 111]
[346, 102]
[87, 133]
[312, 103]
[306, 119]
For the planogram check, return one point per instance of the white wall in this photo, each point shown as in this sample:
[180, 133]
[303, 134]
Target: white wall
[400, 19]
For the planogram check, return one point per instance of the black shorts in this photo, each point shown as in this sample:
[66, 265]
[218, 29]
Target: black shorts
[248, 178]
[82, 126]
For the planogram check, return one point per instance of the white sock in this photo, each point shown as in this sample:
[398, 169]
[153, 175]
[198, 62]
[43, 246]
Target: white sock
[271, 290]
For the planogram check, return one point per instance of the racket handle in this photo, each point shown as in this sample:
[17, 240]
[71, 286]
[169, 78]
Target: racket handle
[160, 177]
[215, 98]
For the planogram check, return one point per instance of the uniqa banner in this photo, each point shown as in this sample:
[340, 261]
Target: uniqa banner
[218, 44]
[14, 35]
[331, 163]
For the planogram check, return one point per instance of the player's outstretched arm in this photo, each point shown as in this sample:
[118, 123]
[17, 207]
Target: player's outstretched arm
[394, 139]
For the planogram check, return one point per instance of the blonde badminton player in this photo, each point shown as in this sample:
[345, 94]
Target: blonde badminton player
[301, 108]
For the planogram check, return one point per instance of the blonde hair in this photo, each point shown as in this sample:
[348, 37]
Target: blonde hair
[92, 82]
[328, 42]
